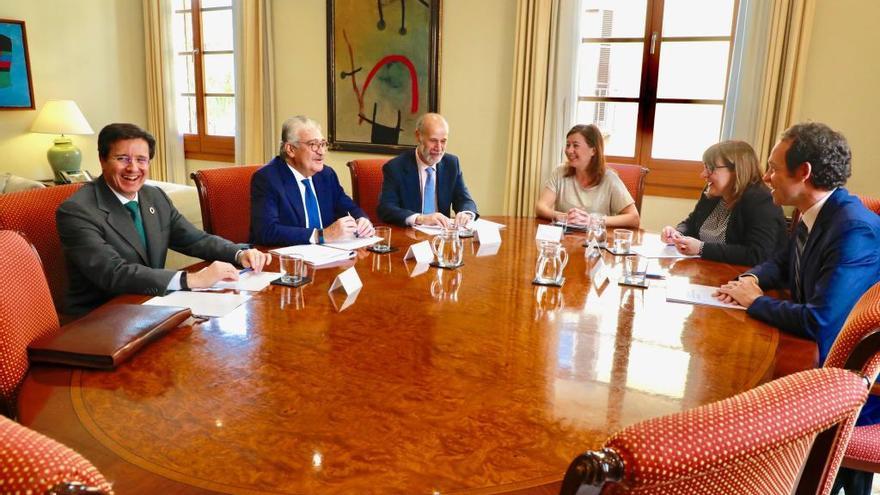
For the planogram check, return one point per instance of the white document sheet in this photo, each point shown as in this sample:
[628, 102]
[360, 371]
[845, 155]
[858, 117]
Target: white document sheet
[316, 254]
[249, 280]
[201, 303]
[697, 294]
[355, 243]
[653, 250]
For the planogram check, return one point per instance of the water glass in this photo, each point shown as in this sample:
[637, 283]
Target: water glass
[448, 247]
[384, 245]
[597, 228]
[552, 259]
[634, 270]
[291, 268]
[622, 241]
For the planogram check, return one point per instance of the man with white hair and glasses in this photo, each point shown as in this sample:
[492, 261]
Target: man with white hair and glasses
[295, 199]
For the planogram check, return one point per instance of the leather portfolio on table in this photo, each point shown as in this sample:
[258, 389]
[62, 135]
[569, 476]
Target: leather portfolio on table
[107, 336]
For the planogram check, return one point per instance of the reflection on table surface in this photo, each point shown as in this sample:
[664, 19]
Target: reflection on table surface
[425, 381]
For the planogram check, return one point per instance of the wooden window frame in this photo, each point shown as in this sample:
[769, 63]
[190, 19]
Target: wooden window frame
[204, 146]
[670, 178]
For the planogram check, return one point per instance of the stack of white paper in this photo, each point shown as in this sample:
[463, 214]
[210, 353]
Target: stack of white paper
[316, 254]
[355, 243]
[659, 251]
[697, 294]
[201, 303]
[249, 280]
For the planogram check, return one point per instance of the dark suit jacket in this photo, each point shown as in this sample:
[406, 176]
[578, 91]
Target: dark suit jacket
[105, 256]
[840, 262]
[277, 214]
[401, 194]
[755, 230]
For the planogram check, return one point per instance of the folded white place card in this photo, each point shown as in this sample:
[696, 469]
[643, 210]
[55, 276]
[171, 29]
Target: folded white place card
[549, 233]
[486, 223]
[418, 269]
[599, 273]
[340, 306]
[348, 280]
[487, 234]
[421, 252]
[488, 249]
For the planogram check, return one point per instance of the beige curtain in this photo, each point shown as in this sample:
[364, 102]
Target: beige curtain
[254, 82]
[543, 103]
[535, 19]
[790, 24]
[169, 163]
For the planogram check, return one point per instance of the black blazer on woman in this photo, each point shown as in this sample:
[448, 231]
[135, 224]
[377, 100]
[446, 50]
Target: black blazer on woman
[755, 230]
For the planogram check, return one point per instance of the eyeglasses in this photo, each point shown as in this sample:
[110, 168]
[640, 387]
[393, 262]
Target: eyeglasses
[713, 169]
[315, 145]
[127, 160]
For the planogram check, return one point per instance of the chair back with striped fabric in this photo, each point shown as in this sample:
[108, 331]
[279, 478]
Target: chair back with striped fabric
[633, 177]
[225, 198]
[752, 443]
[33, 463]
[870, 203]
[32, 214]
[26, 313]
[856, 348]
[366, 184]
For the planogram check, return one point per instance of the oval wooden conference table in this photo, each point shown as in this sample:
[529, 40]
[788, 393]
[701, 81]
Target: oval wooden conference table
[449, 381]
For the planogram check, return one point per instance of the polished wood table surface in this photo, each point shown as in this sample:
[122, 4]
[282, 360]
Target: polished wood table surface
[449, 381]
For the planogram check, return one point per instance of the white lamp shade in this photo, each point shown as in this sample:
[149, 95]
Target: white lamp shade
[61, 117]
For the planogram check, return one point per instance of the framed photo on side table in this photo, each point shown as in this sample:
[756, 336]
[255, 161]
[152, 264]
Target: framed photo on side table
[73, 177]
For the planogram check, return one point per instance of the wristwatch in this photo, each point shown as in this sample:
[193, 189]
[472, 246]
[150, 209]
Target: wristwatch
[320, 236]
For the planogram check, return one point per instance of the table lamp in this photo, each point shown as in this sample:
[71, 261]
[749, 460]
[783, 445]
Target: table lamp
[62, 117]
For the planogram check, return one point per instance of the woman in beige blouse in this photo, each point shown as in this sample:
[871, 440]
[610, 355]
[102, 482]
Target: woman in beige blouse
[583, 185]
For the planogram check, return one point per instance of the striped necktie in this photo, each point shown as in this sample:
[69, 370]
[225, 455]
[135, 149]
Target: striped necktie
[800, 242]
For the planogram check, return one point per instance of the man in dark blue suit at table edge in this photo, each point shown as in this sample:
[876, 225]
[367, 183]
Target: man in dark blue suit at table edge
[419, 186]
[830, 261]
[295, 199]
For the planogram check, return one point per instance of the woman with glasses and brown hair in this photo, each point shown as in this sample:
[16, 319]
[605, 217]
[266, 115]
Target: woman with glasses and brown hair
[735, 220]
[583, 185]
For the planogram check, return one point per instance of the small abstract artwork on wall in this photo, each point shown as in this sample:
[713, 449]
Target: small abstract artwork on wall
[383, 59]
[16, 90]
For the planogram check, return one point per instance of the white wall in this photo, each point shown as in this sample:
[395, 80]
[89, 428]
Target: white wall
[842, 80]
[91, 52]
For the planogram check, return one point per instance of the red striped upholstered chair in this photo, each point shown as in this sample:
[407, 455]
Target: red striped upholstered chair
[857, 347]
[633, 177]
[26, 313]
[871, 203]
[752, 443]
[366, 184]
[225, 198]
[36, 464]
[32, 214]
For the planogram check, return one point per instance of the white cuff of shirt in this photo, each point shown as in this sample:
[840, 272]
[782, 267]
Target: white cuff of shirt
[411, 220]
[174, 284]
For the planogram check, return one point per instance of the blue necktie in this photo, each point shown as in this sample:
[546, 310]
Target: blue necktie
[429, 201]
[312, 206]
[135, 211]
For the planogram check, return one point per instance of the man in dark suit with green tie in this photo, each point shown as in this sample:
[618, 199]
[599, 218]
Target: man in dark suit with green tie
[116, 231]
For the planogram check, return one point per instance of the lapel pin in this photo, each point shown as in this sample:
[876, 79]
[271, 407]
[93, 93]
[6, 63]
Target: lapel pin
[152, 211]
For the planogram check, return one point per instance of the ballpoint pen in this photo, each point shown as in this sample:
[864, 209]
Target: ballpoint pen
[349, 215]
[245, 270]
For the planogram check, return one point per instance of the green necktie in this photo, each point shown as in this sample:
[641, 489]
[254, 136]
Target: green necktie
[132, 207]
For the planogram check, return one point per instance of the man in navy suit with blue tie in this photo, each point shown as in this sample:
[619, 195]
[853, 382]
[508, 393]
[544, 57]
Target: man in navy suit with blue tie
[420, 186]
[295, 199]
[830, 261]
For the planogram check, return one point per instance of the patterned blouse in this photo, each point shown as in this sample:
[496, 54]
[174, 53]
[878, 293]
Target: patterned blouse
[714, 229]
